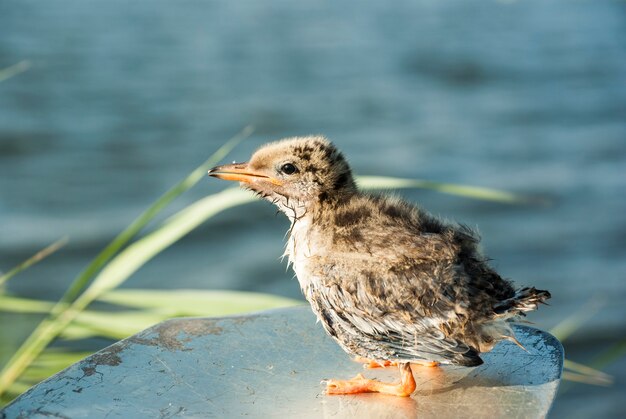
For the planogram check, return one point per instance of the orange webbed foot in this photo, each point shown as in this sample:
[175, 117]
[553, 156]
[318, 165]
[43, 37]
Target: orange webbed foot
[360, 384]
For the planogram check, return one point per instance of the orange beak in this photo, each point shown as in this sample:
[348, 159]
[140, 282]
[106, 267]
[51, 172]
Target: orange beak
[239, 172]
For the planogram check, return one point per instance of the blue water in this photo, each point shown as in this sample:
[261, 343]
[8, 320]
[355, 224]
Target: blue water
[124, 98]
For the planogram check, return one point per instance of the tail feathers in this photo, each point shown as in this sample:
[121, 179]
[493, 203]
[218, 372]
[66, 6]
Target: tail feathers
[526, 299]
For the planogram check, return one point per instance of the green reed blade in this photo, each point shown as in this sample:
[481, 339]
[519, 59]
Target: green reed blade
[37, 257]
[62, 314]
[14, 70]
[475, 192]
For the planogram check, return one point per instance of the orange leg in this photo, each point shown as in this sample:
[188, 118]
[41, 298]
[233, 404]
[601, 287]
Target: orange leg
[370, 364]
[429, 364]
[360, 384]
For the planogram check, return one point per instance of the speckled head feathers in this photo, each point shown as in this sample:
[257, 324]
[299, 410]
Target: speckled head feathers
[297, 172]
[320, 168]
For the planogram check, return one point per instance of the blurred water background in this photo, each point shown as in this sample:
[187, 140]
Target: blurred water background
[123, 99]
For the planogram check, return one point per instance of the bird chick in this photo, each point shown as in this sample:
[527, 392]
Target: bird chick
[388, 281]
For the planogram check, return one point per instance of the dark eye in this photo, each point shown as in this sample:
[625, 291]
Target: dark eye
[288, 169]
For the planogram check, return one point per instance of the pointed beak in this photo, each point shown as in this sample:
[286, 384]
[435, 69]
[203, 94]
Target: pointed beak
[239, 172]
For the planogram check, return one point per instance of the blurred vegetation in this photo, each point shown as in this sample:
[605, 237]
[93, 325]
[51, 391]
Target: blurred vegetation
[70, 319]
[14, 70]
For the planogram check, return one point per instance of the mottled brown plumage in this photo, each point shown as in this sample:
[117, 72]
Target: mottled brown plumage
[387, 280]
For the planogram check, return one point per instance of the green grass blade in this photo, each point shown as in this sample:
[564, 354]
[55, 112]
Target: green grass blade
[75, 331]
[63, 314]
[155, 305]
[36, 342]
[14, 70]
[594, 376]
[49, 363]
[37, 257]
[58, 356]
[585, 379]
[125, 236]
[15, 390]
[80, 328]
[475, 192]
[119, 325]
[138, 253]
[579, 373]
[24, 305]
[569, 325]
[158, 305]
[615, 352]
[197, 302]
